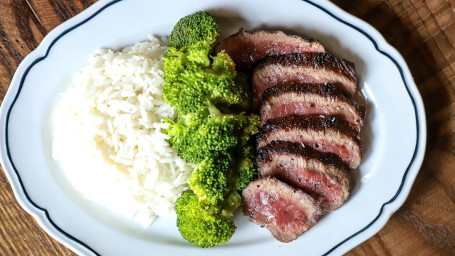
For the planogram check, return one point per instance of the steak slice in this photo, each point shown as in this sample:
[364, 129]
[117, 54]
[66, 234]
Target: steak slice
[285, 211]
[311, 68]
[309, 99]
[327, 134]
[246, 48]
[321, 175]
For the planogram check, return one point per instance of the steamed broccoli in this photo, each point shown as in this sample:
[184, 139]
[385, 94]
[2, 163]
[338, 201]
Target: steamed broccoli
[246, 166]
[197, 136]
[197, 28]
[220, 145]
[245, 154]
[194, 80]
[203, 225]
[211, 130]
[210, 178]
[193, 77]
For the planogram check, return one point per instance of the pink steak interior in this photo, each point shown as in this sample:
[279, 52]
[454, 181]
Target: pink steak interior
[322, 145]
[312, 182]
[279, 78]
[302, 108]
[278, 211]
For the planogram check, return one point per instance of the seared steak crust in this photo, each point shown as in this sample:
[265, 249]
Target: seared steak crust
[309, 99]
[315, 122]
[285, 211]
[311, 68]
[317, 61]
[264, 154]
[327, 134]
[246, 48]
[322, 175]
[321, 89]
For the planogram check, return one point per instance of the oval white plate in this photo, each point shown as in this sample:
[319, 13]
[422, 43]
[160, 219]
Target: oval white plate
[394, 136]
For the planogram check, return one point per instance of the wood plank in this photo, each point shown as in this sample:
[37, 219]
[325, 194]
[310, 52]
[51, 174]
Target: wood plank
[423, 32]
[23, 24]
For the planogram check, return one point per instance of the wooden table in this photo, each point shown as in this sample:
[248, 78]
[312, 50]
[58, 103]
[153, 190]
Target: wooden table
[422, 31]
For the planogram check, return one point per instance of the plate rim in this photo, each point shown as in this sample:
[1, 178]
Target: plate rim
[42, 215]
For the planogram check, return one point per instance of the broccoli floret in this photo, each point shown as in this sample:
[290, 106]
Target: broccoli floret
[213, 132]
[210, 178]
[193, 81]
[226, 86]
[196, 28]
[231, 202]
[202, 225]
[246, 168]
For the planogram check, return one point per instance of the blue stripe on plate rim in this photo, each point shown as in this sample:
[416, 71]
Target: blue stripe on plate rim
[76, 240]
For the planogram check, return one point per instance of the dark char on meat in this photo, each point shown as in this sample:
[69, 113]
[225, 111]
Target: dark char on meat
[246, 48]
[322, 175]
[311, 68]
[309, 99]
[324, 133]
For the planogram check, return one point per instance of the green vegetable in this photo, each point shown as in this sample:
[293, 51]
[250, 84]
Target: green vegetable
[189, 68]
[204, 81]
[203, 225]
[246, 166]
[227, 166]
[197, 28]
[211, 130]
[210, 178]
[198, 136]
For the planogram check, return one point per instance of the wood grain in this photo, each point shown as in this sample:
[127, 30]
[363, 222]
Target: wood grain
[23, 24]
[422, 31]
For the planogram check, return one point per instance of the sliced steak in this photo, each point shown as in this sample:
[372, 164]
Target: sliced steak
[309, 99]
[325, 133]
[285, 211]
[246, 48]
[321, 175]
[312, 68]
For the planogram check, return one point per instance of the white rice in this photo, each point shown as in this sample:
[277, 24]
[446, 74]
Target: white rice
[108, 134]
